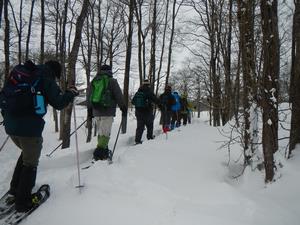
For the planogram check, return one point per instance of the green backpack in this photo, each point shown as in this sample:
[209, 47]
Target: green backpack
[101, 96]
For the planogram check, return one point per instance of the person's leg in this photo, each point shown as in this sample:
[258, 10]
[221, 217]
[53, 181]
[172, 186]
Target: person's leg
[140, 127]
[31, 151]
[149, 124]
[18, 168]
[104, 125]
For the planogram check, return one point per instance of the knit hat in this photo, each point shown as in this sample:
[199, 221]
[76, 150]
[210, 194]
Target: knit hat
[106, 69]
[55, 66]
[146, 82]
[168, 88]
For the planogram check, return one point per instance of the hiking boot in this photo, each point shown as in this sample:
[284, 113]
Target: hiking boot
[101, 154]
[151, 137]
[138, 142]
[23, 195]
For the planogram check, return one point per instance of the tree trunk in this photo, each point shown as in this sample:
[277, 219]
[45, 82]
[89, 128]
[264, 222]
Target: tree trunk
[246, 27]
[43, 19]
[128, 59]
[152, 66]
[6, 39]
[295, 81]
[29, 30]
[71, 70]
[271, 64]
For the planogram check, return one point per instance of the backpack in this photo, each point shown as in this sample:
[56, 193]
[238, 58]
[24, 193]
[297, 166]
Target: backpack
[101, 95]
[140, 100]
[21, 94]
[176, 106]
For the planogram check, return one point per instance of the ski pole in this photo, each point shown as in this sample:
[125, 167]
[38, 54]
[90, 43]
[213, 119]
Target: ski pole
[4, 143]
[77, 149]
[113, 151]
[49, 155]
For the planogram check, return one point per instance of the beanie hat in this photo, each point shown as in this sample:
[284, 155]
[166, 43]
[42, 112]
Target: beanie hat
[55, 66]
[30, 65]
[146, 82]
[168, 88]
[106, 69]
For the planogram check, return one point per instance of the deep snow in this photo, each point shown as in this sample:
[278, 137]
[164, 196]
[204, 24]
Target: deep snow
[182, 179]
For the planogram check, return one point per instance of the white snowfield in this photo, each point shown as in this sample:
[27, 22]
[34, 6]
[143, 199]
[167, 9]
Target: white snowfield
[179, 180]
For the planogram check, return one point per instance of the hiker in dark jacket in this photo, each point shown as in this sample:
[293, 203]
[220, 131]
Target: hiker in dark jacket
[166, 100]
[184, 110]
[25, 130]
[104, 115]
[144, 112]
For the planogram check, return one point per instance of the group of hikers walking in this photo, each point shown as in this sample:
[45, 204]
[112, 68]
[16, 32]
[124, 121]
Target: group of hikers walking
[174, 109]
[30, 88]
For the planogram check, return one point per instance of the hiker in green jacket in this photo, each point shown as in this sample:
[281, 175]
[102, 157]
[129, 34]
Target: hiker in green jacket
[104, 96]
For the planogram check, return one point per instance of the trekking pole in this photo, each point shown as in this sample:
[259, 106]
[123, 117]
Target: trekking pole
[77, 149]
[113, 151]
[4, 143]
[49, 155]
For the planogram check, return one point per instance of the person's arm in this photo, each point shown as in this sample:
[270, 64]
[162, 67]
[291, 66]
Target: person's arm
[55, 97]
[118, 95]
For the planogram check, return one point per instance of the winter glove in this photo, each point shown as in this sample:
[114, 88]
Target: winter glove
[73, 90]
[124, 111]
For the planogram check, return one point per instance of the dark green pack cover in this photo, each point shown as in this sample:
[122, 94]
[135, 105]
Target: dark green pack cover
[101, 96]
[140, 100]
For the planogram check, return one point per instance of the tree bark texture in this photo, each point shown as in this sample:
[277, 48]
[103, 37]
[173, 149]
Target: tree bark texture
[270, 84]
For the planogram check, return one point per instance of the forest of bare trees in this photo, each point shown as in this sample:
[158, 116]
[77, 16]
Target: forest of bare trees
[241, 58]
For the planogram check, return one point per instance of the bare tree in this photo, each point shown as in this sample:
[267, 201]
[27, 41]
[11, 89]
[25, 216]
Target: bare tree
[71, 76]
[128, 59]
[246, 27]
[6, 38]
[29, 30]
[174, 14]
[270, 89]
[295, 81]
[43, 21]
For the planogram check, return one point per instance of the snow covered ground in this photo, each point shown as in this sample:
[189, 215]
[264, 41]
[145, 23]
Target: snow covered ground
[181, 179]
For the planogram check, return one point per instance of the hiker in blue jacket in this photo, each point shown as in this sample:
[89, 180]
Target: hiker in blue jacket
[143, 100]
[25, 130]
[176, 107]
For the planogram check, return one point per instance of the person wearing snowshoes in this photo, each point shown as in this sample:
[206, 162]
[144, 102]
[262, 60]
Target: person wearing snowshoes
[143, 101]
[166, 100]
[25, 130]
[104, 115]
[176, 107]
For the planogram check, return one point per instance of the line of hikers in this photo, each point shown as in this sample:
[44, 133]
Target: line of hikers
[174, 110]
[30, 88]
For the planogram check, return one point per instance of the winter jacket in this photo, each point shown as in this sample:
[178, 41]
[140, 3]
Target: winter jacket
[33, 125]
[166, 100]
[117, 96]
[184, 105]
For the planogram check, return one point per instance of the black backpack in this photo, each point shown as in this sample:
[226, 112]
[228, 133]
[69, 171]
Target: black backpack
[21, 94]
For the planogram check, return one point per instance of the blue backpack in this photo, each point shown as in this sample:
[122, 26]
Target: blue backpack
[21, 94]
[176, 106]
